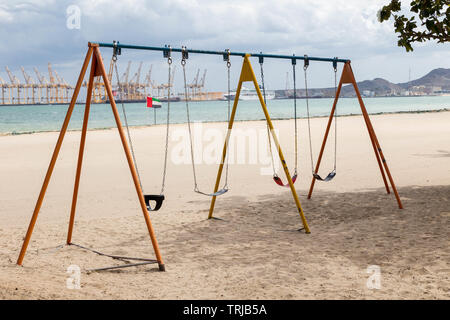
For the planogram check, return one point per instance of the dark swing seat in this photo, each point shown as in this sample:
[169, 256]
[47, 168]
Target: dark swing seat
[329, 177]
[156, 198]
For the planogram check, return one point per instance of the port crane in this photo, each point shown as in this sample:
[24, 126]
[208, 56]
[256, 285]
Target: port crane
[15, 83]
[149, 85]
[201, 85]
[29, 84]
[54, 89]
[64, 86]
[195, 88]
[31, 91]
[43, 84]
[165, 86]
[56, 86]
[192, 86]
[6, 91]
[135, 85]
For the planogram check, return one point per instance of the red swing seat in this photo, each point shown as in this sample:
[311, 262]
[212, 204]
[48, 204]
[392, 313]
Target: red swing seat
[279, 182]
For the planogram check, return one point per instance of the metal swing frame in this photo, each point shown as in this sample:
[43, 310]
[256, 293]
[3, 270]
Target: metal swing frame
[347, 77]
[98, 69]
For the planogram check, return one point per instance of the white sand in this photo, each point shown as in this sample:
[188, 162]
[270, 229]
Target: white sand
[255, 252]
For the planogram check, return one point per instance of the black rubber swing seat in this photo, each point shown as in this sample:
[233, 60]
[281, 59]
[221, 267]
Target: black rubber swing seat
[157, 198]
[329, 177]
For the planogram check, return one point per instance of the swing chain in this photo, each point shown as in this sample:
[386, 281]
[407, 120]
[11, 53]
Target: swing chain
[186, 98]
[120, 89]
[305, 68]
[167, 54]
[261, 61]
[225, 186]
[226, 57]
[335, 112]
[333, 172]
[116, 52]
[294, 62]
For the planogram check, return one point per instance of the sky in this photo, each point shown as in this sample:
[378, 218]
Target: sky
[36, 32]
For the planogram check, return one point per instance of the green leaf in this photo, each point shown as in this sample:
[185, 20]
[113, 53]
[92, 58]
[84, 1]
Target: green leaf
[434, 15]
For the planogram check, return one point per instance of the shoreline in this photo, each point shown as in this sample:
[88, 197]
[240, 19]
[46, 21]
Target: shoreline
[191, 101]
[14, 133]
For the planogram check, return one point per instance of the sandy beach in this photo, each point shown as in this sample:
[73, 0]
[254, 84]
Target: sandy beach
[255, 252]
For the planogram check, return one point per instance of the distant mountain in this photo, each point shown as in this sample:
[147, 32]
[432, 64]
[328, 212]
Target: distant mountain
[435, 82]
[379, 86]
[436, 78]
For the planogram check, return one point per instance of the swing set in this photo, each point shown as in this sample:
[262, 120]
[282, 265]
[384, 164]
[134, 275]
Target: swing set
[153, 202]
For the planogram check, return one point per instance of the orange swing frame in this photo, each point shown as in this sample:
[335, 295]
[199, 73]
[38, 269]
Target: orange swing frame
[97, 69]
[348, 77]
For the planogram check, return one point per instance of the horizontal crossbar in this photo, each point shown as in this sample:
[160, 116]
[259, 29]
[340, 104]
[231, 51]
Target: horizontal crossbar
[231, 53]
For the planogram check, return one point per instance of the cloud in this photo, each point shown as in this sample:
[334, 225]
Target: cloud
[36, 33]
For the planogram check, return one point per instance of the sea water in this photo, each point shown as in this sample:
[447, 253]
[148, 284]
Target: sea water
[37, 118]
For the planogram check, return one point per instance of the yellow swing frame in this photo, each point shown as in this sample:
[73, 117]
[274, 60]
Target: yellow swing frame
[247, 75]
